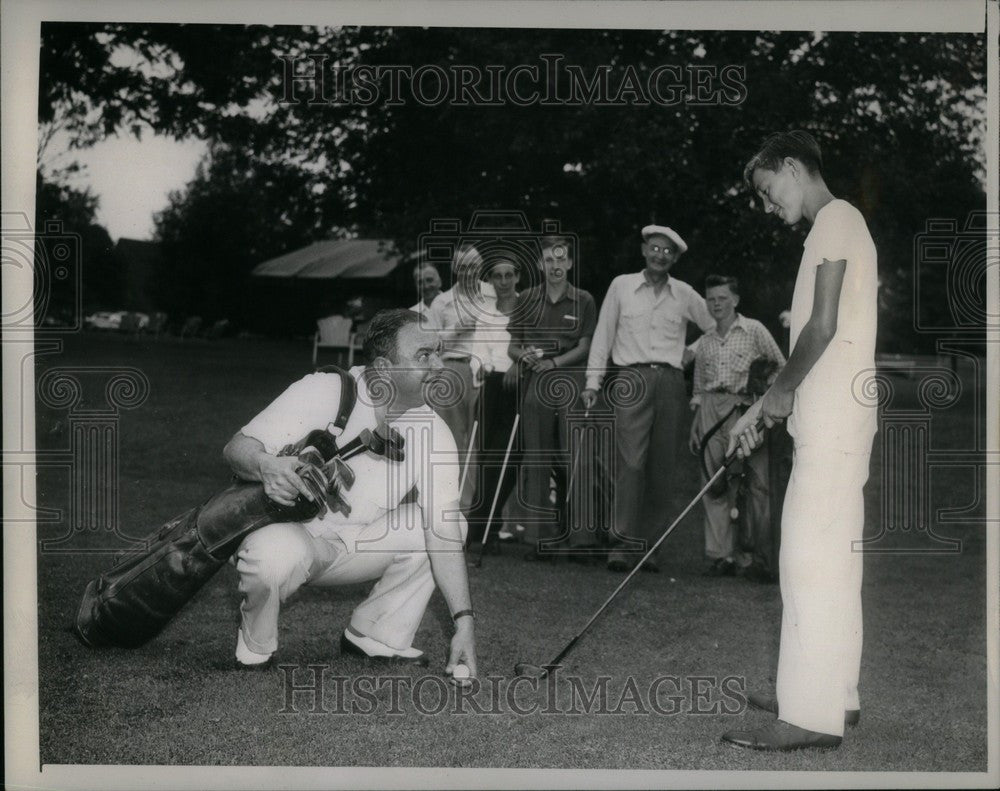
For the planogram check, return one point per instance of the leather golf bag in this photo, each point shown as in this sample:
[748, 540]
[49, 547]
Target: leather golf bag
[129, 604]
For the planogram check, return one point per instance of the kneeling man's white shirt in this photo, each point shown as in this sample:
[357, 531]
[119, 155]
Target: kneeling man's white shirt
[430, 455]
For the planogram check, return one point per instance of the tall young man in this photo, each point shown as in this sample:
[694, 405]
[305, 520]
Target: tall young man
[832, 423]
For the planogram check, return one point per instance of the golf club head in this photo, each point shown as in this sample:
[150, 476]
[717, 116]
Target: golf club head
[390, 444]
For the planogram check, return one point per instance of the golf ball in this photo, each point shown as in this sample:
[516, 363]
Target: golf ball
[734, 513]
[460, 671]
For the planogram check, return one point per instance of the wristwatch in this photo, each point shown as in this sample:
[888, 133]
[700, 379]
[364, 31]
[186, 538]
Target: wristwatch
[462, 613]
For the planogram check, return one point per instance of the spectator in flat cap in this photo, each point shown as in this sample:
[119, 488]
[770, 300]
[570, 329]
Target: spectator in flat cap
[642, 328]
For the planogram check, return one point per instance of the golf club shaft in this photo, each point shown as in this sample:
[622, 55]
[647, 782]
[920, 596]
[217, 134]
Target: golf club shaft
[576, 461]
[468, 455]
[711, 482]
[503, 471]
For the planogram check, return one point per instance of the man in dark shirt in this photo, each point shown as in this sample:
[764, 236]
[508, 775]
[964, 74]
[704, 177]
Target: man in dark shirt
[550, 339]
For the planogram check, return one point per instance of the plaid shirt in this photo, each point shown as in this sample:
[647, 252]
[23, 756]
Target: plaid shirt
[722, 362]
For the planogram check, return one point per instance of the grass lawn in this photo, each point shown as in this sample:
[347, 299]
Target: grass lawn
[176, 700]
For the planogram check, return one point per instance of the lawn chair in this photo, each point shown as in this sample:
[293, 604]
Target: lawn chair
[334, 332]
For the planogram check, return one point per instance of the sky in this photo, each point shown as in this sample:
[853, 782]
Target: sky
[131, 178]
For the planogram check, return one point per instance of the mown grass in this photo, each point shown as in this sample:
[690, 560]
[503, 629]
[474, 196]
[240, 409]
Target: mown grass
[177, 700]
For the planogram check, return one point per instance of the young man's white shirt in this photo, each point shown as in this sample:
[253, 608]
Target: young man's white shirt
[832, 406]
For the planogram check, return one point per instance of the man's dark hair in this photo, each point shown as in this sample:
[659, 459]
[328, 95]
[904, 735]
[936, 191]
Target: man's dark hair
[418, 270]
[500, 259]
[383, 333]
[549, 242]
[712, 281]
[795, 144]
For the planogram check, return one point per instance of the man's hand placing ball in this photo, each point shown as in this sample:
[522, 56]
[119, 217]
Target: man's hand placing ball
[461, 665]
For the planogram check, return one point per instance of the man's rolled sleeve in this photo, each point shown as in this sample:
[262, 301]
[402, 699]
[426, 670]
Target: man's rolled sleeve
[308, 404]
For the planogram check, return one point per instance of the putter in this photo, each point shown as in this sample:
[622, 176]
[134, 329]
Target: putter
[540, 671]
[477, 562]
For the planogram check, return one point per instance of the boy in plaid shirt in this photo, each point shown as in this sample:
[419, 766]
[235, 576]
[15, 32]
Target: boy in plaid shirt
[722, 365]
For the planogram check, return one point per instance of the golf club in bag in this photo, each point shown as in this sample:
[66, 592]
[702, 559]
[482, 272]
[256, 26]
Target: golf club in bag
[540, 671]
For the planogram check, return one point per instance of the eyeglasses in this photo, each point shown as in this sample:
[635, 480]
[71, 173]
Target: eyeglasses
[655, 248]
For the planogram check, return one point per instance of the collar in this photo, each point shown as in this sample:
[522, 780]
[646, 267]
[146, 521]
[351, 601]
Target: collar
[644, 281]
[740, 322]
[570, 293]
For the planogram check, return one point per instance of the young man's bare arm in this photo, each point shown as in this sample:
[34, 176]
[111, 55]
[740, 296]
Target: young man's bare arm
[812, 342]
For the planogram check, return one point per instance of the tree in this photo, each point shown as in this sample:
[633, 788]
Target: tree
[235, 213]
[61, 209]
[900, 118]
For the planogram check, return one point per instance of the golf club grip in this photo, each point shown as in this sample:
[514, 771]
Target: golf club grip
[761, 428]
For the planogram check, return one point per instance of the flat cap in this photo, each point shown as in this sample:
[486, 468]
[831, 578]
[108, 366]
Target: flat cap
[670, 233]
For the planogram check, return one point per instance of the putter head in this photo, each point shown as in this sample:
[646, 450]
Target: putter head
[528, 670]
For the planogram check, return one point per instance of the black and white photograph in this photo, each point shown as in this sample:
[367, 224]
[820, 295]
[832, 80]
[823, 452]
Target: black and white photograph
[501, 395]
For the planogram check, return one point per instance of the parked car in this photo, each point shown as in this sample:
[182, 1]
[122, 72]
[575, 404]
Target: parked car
[104, 320]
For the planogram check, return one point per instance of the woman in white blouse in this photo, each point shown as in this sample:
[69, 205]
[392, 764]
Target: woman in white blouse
[498, 398]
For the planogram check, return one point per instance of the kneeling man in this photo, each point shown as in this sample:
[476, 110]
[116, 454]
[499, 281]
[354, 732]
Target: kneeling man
[407, 544]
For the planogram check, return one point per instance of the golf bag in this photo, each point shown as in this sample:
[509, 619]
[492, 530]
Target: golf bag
[750, 536]
[129, 604]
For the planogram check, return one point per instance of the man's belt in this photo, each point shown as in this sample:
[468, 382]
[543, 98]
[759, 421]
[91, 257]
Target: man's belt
[651, 365]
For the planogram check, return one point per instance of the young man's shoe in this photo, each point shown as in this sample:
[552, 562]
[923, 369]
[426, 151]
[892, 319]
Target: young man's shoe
[250, 660]
[354, 644]
[782, 736]
[766, 702]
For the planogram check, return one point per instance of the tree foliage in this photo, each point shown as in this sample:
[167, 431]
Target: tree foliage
[61, 210]
[900, 118]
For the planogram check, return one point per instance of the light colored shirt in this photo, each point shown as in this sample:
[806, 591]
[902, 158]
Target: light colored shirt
[638, 326]
[426, 317]
[430, 456]
[832, 406]
[492, 340]
[722, 362]
[451, 311]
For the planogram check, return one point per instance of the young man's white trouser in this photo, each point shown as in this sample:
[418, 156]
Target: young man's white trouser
[821, 570]
[276, 560]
